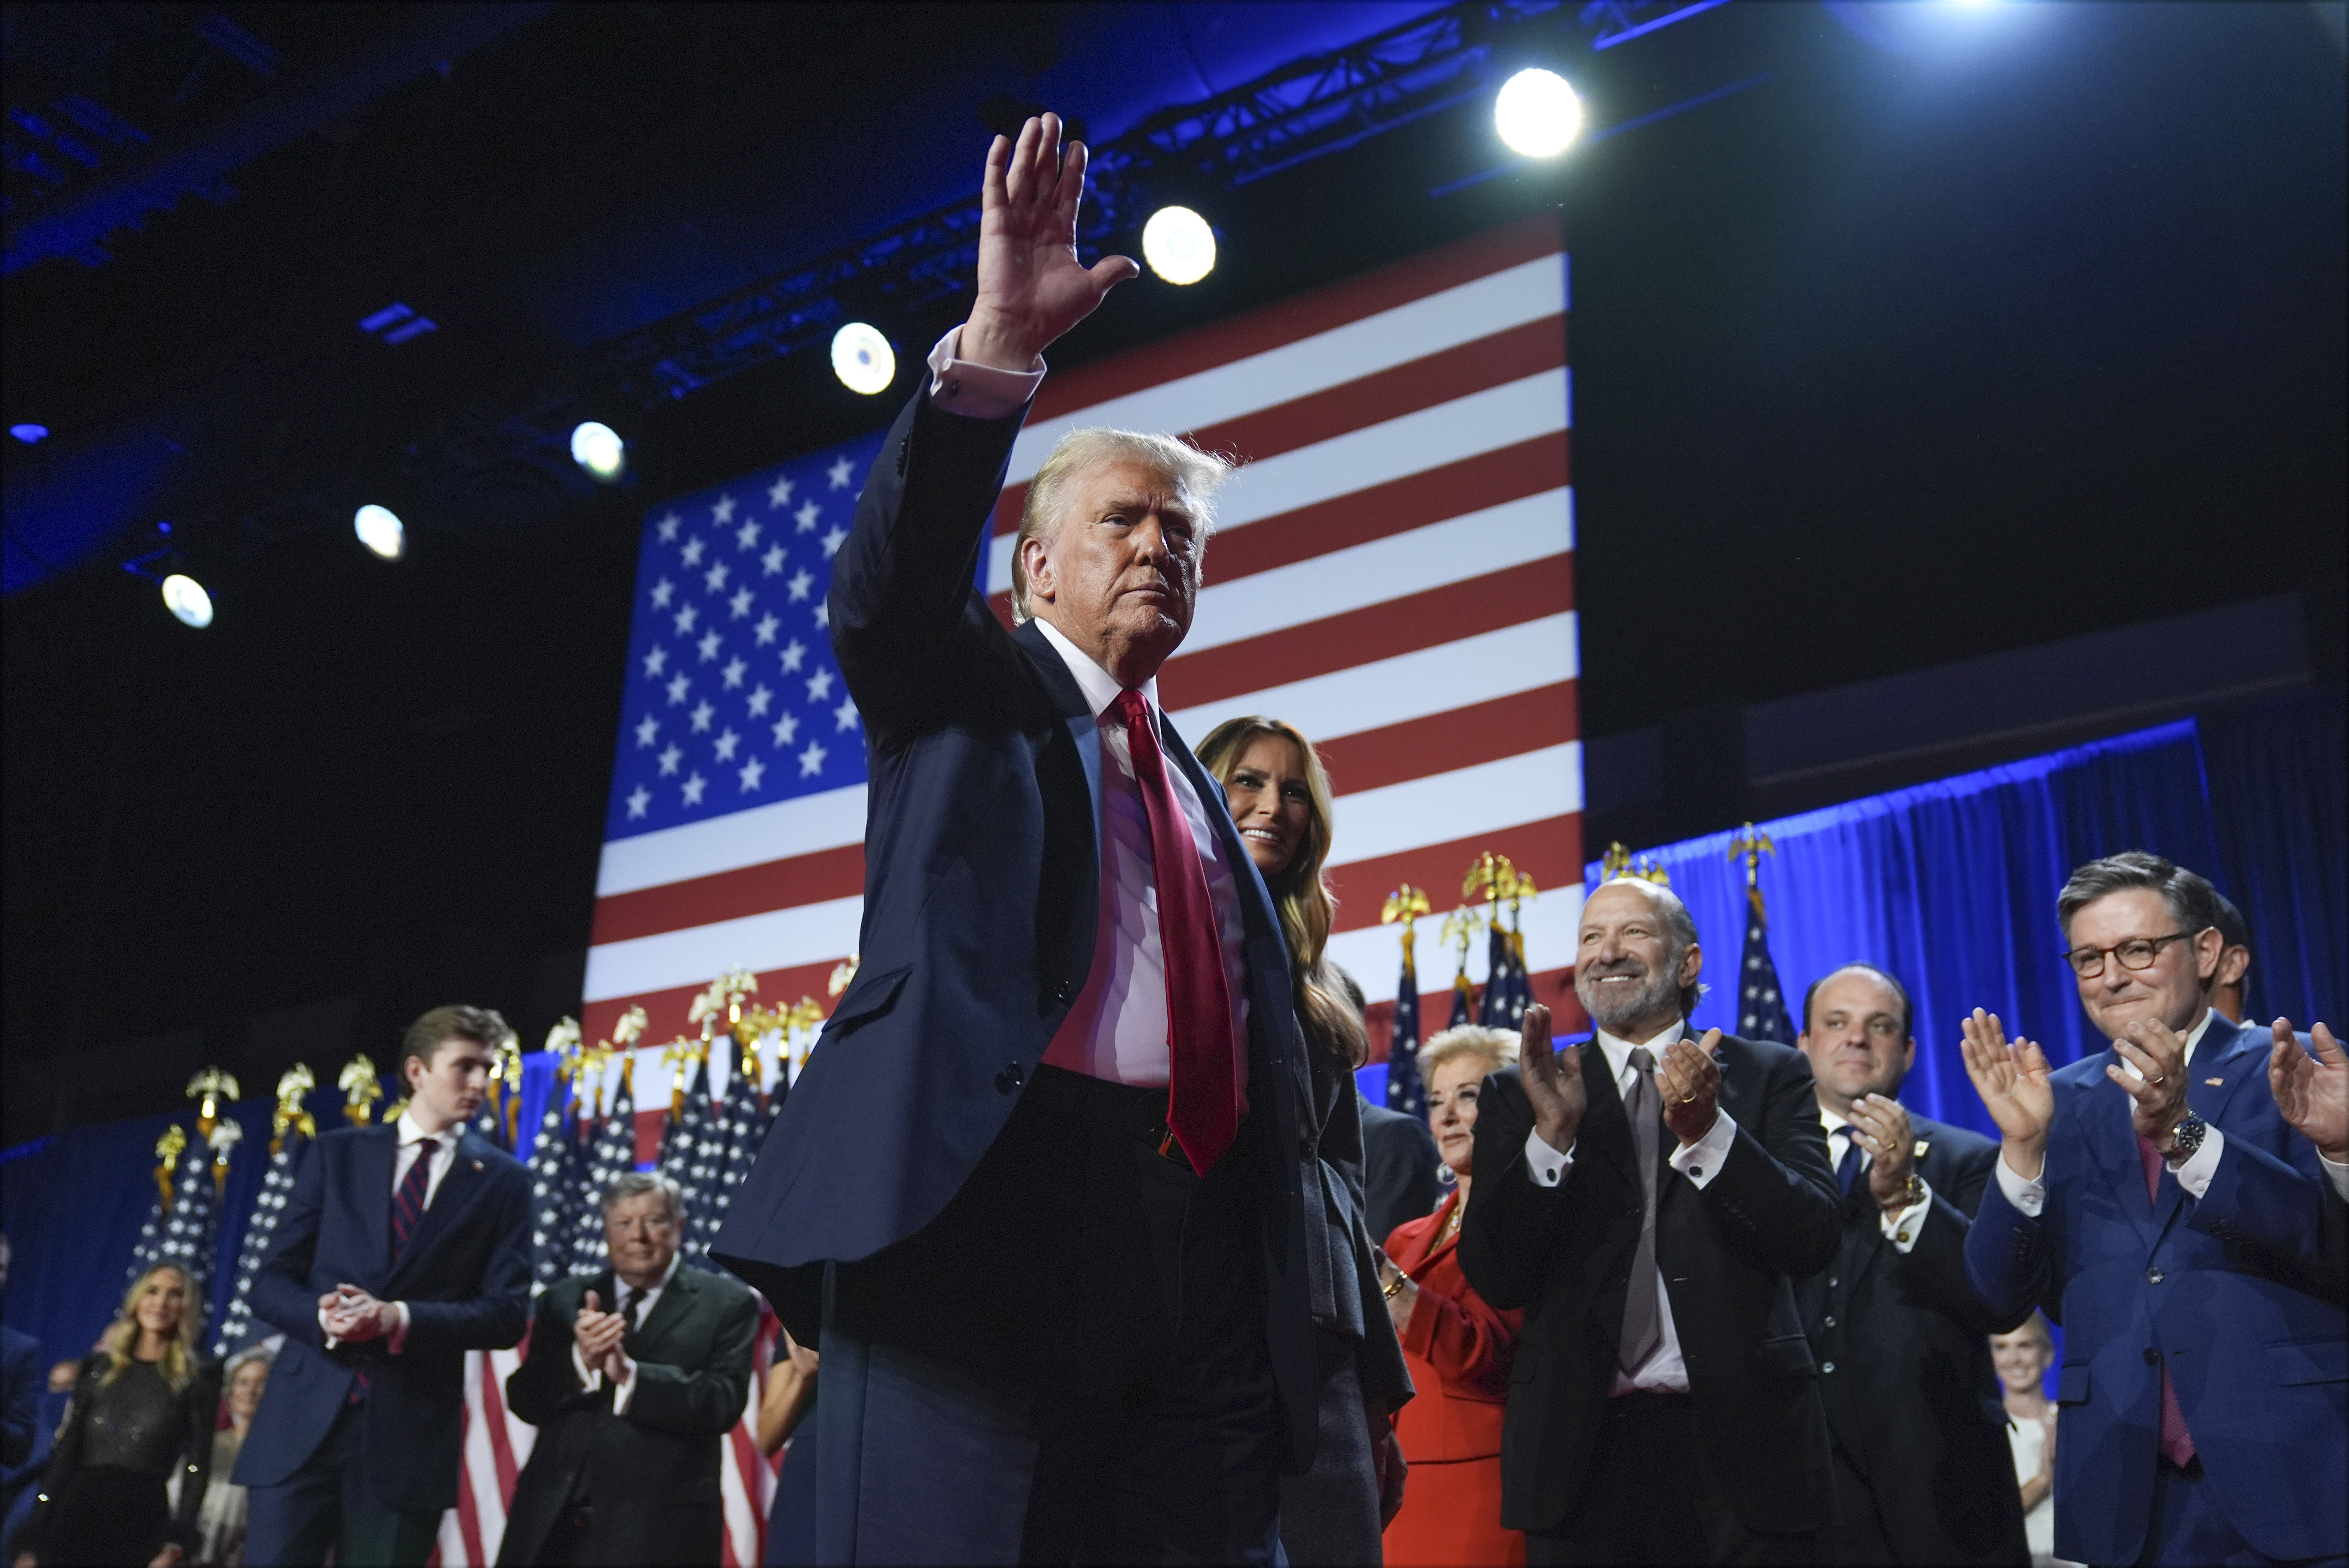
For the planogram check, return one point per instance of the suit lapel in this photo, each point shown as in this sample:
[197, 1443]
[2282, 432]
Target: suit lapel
[2112, 1137]
[456, 1192]
[373, 1155]
[2230, 1053]
[1605, 1127]
[676, 1301]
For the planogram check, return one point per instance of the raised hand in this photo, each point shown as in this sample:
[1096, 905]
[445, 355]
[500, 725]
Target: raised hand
[2312, 1092]
[1881, 1125]
[1688, 1080]
[1032, 287]
[596, 1333]
[2156, 1090]
[2012, 1083]
[1552, 1080]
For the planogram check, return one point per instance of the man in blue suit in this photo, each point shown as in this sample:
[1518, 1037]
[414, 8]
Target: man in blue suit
[402, 1247]
[1037, 1194]
[2155, 1202]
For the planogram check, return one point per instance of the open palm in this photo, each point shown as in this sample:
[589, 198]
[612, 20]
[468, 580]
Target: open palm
[2012, 1079]
[1031, 287]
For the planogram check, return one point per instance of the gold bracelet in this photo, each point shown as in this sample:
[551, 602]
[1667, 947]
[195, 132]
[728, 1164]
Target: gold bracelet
[1395, 1285]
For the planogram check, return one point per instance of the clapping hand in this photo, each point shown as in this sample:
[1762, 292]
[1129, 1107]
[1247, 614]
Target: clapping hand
[1031, 287]
[1881, 1127]
[2312, 1092]
[596, 1333]
[1552, 1082]
[2156, 1090]
[2012, 1083]
[1688, 1080]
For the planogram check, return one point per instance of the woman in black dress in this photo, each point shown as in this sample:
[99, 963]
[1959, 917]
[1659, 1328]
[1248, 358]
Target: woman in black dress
[143, 1410]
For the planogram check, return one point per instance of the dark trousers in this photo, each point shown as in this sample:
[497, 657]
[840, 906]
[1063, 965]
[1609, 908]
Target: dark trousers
[1068, 1364]
[1647, 1500]
[1857, 1536]
[327, 1503]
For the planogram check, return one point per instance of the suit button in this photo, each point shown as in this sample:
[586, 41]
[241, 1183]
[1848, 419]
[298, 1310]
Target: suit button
[2153, 1359]
[1010, 1079]
[1831, 1282]
[2153, 1276]
[1065, 993]
[1827, 1367]
[1831, 1322]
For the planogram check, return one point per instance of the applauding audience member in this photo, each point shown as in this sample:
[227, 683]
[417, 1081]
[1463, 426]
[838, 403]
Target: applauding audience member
[1921, 1459]
[1458, 1346]
[220, 1523]
[2022, 1357]
[634, 1377]
[2169, 1207]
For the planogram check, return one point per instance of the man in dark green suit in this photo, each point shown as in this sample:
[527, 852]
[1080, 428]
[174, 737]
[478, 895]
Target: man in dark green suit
[634, 1377]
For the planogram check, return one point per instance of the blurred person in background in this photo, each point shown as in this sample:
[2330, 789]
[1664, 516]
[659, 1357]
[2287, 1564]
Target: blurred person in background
[143, 1411]
[1457, 1346]
[220, 1521]
[784, 1412]
[2229, 987]
[1279, 800]
[2022, 1358]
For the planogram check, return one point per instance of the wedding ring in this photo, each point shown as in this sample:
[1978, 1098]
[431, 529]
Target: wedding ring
[1688, 1099]
[2158, 1082]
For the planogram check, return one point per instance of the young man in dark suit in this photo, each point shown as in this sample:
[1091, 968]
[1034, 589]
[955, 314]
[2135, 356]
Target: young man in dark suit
[634, 1378]
[1922, 1469]
[1649, 1201]
[402, 1247]
[1041, 1176]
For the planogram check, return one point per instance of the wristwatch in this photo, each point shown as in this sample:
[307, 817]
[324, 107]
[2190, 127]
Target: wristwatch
[2187, 1135]
[1909, 1196]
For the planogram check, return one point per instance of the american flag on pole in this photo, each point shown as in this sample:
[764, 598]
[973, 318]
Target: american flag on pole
[1392, 571]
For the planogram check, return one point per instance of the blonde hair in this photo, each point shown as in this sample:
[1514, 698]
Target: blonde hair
[1496, 1047]
[1300, 894]
[122, 1337]
[1196, 476]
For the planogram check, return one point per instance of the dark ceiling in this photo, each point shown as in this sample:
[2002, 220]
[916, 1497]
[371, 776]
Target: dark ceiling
[1951, 330]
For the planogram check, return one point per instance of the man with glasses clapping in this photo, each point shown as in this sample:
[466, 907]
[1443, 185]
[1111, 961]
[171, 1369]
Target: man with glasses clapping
[2157, 1201]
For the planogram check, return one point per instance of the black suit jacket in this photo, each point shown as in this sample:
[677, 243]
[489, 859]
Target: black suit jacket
[1400, 1163]
[1730, 1253]
[1903, 1345]
[982, 894]
[653, 1472]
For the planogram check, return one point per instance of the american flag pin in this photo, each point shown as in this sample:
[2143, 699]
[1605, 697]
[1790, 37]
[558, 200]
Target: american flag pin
[477, 1165]
[2215, 1082]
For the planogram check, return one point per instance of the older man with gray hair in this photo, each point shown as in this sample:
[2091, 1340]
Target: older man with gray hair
[1036, 1197]
[634, 1377]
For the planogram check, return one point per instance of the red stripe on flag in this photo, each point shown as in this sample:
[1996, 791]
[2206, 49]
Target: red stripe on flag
[1554, 988]
[1398, 625]
[469, 1515]
[1457, 738]
[747, 1463]
[493, 1416]
[1550, 851]
[835, 873]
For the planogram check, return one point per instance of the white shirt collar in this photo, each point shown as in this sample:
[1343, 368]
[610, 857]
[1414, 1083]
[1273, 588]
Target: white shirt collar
[412, 1131]
[1099, 687]
[1619, 1051]
[620, 1285]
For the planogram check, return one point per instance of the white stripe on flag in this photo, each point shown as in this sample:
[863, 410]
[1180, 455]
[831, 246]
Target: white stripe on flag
[780, 939]
[1487, 798]
[751, 837]
[1428, 324]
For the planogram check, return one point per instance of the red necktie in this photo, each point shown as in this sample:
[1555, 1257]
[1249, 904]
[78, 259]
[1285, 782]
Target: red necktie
[1203, 1098]
[2177, 1442]
[407, 1208]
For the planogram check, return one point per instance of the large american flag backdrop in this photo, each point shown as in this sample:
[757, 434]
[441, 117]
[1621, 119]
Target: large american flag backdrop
[1392, 571]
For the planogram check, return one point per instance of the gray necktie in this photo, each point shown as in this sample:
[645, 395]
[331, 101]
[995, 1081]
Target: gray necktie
[1642, 1326]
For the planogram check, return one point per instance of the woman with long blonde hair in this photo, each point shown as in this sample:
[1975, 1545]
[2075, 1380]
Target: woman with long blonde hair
[1279, 799]
[143, 1410]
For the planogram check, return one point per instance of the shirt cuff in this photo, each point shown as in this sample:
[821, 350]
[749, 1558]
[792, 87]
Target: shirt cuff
[398, 1341]
[1702, 1161]
[2338, 1175]
[978, 392]
[1900, 1226]
[2029, 1195]
[331, 1340]
[588, 1378]
[627, 1386]
[1545, 1166]
[2195, 1175]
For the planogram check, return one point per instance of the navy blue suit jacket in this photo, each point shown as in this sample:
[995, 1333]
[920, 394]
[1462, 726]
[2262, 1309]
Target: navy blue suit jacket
[982, 892]
[465, 1277]
[2240, 1294]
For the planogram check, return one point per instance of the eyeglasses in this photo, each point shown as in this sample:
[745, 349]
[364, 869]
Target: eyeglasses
[2137, 953]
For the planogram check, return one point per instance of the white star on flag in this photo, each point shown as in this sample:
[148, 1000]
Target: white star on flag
[725, 745]
[841, 473]
[793, 653]
[656, 660]
[661, 592]
[724, 509]
[684, 619]
[812, 760]
[678, 684]
[639, 798]
[779, 492]
[668, 527]
[807, 516]
[707, 646]
[702, 713]
[714, 579]
[771, 563]
[820, 686]
[741, 603]
[833, 540]
[648, 731]
[734, 672]
[800, 585]
[670, 759]
[844, 716]
[746, 538]
[694, 785]
[764, 632]
[760, 698]
[692, 556]
[787, 729]
[751, 773]
[823, 615]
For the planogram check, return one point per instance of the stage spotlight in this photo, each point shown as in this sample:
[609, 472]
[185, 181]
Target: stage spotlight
[186, 600]
[1178, 244]
[1538, 113]
[863, 359]
[31, 435]
[379, 529]
[598, 449]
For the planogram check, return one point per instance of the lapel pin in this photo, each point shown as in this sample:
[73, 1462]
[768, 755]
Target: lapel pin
[477, 1165]
[2216, 1083]
[1918, 1152]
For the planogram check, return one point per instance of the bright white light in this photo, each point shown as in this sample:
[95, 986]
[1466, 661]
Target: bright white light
[380, 530]
[598, 448]
[1178, 244]
[185, 597]
[863, 359]
[1538, 113]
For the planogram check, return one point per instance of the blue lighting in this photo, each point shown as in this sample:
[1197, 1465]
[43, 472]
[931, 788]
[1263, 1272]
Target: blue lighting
[164, 528]
[1627, 33]
[31, 435]
[387, 315]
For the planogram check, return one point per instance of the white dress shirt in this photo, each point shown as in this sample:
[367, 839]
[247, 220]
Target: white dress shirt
[1664, 1371]
[412, 1140]
[1901, 1225]
[1117, 1027]
[622, 1295]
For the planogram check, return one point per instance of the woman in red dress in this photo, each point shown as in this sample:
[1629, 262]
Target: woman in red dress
[1458, 1347]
